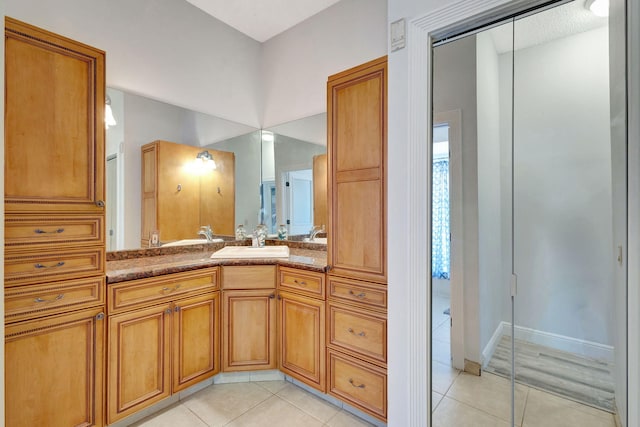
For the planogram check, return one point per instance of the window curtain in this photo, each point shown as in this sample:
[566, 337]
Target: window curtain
[440, 231]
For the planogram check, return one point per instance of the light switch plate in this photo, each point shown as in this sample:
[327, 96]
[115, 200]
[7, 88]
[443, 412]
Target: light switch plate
[398, 34]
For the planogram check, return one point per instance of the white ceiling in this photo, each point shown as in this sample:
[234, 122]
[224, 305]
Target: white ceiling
[262, 19]
[555, 23]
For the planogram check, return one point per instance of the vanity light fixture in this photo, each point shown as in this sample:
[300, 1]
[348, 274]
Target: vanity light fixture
[206, 160]
[598, 7]
[109, 120]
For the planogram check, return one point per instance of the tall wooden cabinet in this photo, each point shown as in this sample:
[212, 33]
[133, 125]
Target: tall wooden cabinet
[357, 202]
[178, 197]
[54, 229]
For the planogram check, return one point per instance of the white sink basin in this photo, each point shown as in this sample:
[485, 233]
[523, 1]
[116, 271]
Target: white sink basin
[251, 252]
[190, 242]
[316, 240]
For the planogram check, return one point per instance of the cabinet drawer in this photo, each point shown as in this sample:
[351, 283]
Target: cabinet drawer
[249, 277]
[52, 298]
[358, 383]
[36, 230]
[358, 331]
[353, 291]
[127, 295]
[39, 266]
[300, 281]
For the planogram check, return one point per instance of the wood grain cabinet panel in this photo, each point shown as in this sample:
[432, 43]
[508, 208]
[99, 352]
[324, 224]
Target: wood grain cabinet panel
[22, 268]
[301, 330]
[357, 383]
[139, 360]
[362, 294]
[54, 144]
[54, 370]
[31, 231]
[300, 281]
[249, 330]
[196, 340]
[24, 302]
[360, 331]
[249, 277]
[143, 292]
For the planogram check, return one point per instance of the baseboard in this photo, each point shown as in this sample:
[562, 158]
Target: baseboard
[558, 342]
[491, 346]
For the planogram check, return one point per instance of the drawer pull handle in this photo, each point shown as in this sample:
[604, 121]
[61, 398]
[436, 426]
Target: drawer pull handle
[303, 283]
[354, 384]
[40, 231]
[361, 295]
[40, 300]
[59, 264]
[360, 334]
[169, 290]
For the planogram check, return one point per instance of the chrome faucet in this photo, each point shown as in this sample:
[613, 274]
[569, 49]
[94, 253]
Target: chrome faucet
[207, 232]
[317, 229]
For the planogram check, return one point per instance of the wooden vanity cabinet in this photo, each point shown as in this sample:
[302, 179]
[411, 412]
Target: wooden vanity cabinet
[164, 336]
[249, 318]
[356, 252]
[301, 325]
[54, 229]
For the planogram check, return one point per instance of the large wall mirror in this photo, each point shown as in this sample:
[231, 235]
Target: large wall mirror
[274, 169]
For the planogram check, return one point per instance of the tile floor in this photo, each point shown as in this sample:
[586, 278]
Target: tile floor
[253, 404]
[459, 400]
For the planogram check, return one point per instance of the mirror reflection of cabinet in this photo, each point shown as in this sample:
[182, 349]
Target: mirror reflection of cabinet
[320, 190]
[178, 197]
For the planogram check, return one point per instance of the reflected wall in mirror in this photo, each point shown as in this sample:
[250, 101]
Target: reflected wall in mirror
[294, 177]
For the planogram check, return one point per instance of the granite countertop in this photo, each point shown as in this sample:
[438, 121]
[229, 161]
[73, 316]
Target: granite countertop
[122, 268]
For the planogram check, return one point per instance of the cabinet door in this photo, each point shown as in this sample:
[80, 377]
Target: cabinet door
[54, 370]
[357, 144]
[196, 340]
[54, 121]
[139, 360]
[301, 338]
[249, 330]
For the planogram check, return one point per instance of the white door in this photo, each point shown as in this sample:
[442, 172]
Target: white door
[300, 201]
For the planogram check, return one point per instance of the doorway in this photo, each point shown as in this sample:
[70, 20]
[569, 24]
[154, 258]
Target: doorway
[541, 171]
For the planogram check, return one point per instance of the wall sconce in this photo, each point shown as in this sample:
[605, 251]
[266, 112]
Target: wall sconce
[206, 160]
[598, 7]
[109, 120]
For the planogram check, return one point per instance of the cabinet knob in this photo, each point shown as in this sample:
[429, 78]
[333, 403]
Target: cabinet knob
[177, 308]
[272, 296]
[100, 316]
[168, 311]
[100, 203]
